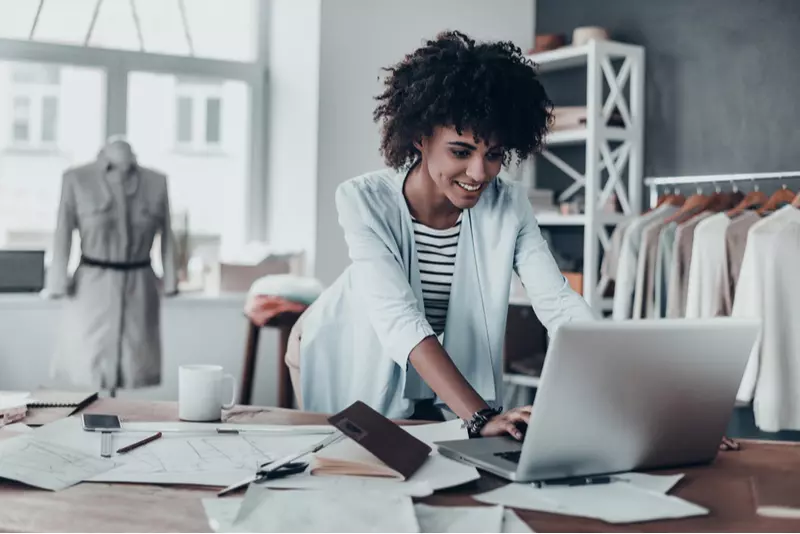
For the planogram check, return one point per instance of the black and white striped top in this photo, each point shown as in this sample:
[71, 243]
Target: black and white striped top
[436, 254]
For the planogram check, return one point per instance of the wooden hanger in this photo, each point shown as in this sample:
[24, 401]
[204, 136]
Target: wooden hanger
[673, 199]
[753, 199]
[781, 196]
[692, 206]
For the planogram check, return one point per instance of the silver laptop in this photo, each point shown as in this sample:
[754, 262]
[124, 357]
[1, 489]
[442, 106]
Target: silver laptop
[618, 396]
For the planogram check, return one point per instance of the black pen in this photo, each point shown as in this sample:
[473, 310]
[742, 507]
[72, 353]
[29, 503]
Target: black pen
[575, 481]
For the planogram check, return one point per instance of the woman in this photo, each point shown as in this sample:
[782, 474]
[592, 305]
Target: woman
[417, 320]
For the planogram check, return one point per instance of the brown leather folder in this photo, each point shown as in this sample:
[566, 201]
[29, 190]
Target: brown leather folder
[389, 442]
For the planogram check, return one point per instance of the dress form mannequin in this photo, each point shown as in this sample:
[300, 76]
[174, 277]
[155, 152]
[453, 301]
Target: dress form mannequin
[110, 336]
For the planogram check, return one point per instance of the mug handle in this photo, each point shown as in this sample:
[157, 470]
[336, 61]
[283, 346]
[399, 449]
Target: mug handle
[232, 403]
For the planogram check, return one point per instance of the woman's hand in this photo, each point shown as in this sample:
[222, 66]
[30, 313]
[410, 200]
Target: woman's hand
[506, 423]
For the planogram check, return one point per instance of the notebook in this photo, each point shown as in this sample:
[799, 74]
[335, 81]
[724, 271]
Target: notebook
[777, 495]
[53, 398]
[377, 447]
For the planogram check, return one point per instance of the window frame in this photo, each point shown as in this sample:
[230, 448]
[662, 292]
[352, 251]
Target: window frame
[117, 65]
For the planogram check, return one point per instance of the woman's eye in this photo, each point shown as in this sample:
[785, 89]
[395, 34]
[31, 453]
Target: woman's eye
[461, 154]
[494, 157]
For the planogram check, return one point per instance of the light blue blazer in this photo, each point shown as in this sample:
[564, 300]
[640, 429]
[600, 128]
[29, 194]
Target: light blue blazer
[356, 338]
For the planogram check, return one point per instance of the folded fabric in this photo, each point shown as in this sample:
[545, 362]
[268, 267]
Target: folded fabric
[272, 295]
[261, 309]
[300, 289]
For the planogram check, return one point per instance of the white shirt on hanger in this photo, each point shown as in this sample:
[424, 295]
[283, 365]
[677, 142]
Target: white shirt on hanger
[628, 260]
[768, 289]
[705, 269]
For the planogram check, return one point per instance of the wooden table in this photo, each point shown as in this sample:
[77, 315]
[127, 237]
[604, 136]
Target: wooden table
[723, 487]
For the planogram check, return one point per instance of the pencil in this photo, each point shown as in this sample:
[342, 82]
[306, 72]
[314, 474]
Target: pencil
[145, 441]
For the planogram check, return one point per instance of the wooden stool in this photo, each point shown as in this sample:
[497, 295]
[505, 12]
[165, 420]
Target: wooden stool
[284, 323]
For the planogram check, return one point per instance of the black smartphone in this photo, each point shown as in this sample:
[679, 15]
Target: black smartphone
[95, 422]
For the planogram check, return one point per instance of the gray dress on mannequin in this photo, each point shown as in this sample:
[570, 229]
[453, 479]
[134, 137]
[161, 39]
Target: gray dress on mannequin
[110, 331]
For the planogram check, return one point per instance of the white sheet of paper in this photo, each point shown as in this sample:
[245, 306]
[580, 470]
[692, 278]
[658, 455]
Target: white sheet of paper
[459, 518]
[19, 428]
[430, 434]
[658, 483]
[212, 460]
[440, 473]
[47, 465]
[221, 513]
[265, 510]
[211, 428]
[618, 502]
[512, 524]
[206, 459]
[350, 483]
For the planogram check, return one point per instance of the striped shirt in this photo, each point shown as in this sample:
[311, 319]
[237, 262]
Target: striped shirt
[436, 255]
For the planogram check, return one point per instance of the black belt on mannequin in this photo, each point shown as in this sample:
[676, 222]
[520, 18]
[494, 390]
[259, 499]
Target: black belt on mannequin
[115, 265]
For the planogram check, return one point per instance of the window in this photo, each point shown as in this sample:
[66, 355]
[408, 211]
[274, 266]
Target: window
[198, 108]
[193, 120]
[42, 100]
[219, 29]
[203, 147]
[34, 94]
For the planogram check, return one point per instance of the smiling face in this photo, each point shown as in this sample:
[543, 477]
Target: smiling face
[460, 167]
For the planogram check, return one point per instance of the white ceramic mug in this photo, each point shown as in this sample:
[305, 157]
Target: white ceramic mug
[200, 392]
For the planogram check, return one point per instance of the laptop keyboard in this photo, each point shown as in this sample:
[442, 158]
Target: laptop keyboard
[511, 456]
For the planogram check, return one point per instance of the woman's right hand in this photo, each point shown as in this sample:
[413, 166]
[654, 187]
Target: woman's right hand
[506, 423]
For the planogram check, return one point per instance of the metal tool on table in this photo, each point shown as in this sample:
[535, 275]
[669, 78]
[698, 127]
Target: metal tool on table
[288, 465]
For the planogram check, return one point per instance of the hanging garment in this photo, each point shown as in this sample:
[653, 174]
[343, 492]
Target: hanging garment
[666, 240]
[705, 269]
[608, 268]
[768, 289]
[735, 243]
[678, 283]
[110, 330]
[643, 296]
[628, 259]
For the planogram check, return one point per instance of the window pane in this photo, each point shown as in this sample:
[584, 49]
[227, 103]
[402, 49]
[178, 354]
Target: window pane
[49, 119]
[212, 120]
[30, 182]
[223, 29]
[209, 188]
[64, 22]
[22, 117]
[115, 27]
[16, 18]
[162, 27]
[184, 119]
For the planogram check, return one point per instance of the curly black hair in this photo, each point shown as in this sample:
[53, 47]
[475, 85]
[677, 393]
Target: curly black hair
[490, 89]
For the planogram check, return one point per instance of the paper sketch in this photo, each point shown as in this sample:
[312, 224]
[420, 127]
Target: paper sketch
[222, 514]
[203, 460]
[47, 465]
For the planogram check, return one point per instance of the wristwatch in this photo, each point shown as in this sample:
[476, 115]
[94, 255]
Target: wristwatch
[479, 419]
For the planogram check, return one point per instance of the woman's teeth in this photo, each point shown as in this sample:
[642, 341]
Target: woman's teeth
[468, 187]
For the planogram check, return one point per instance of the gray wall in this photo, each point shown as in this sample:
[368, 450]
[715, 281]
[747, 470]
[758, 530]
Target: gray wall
[723, 79]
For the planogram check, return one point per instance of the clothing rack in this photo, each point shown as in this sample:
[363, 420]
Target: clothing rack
[654, 182]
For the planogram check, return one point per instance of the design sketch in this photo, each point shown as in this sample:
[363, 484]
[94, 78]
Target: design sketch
[47, 465]
[209, 460]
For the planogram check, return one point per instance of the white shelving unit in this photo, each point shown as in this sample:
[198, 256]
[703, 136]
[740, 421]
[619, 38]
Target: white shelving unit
[612, 153]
